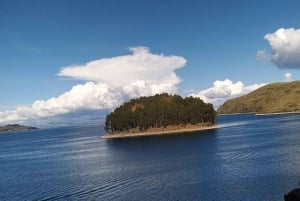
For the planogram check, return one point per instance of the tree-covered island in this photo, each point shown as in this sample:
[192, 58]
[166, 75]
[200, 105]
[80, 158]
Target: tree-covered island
[159, 114]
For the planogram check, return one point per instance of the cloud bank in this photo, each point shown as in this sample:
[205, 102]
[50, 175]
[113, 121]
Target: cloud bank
[110, 81]
[224, 90]
[285, 46]
[88, 96]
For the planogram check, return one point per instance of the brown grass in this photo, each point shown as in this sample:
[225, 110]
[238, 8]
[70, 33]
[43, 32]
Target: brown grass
[272, 98]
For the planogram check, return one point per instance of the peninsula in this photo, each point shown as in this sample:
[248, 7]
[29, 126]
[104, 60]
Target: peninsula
[161, 114]
[281, 97]
[15, 127]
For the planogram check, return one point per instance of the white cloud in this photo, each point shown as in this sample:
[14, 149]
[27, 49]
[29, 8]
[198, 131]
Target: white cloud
[224, 90]
[288, 77]
[110, 82]
[285, 46]
[141, 65]
[261, 55]
[88, 96]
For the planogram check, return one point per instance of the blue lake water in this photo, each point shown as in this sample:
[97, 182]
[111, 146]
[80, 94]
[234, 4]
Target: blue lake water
[248, 158]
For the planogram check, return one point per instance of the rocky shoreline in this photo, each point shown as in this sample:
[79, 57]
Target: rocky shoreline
[158, 133]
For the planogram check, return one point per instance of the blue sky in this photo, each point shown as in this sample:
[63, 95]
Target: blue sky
[217, 40]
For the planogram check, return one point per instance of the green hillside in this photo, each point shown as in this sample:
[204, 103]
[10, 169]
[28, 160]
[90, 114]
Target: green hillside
[271, 98]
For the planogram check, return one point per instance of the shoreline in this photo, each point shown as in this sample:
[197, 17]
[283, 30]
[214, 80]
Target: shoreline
[238, 113]
[277, 113]
[254, 113]
[158, 133]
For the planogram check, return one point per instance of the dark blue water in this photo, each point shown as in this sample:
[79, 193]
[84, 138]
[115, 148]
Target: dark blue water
[249, 158]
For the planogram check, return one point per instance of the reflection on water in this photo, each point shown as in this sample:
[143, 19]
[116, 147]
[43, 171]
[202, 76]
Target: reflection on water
[248, 158]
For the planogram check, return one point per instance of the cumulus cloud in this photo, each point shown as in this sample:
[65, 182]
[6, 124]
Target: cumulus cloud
[88, 96]
[288, 77]
[141, 65]
[224, 90]
[138, 74]
[110, 81]
[285, 46]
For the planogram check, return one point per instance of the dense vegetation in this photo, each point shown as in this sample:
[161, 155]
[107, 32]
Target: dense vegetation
[271, 98]
[159, 111]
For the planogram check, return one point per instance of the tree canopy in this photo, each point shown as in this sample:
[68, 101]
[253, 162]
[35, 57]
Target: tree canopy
[159, 111]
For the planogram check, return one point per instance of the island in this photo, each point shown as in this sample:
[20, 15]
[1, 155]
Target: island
[15, 127]
[275, 98]
[160, 114]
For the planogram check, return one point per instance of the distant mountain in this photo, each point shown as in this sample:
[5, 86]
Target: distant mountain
[15, 127]
[272, 98]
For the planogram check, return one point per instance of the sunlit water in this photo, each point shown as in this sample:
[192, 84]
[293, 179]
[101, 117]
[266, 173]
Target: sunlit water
[248, 158]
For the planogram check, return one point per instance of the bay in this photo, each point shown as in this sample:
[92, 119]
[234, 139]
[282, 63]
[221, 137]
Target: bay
[250, 157]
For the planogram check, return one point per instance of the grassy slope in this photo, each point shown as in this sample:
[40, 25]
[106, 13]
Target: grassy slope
[272, 98]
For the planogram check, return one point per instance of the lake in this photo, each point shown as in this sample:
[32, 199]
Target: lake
[249, 157]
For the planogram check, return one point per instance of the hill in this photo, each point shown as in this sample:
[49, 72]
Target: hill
[160, 113]
[272, 98]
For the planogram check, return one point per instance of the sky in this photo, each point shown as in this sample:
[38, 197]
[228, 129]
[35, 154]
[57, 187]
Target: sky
[68, 61]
